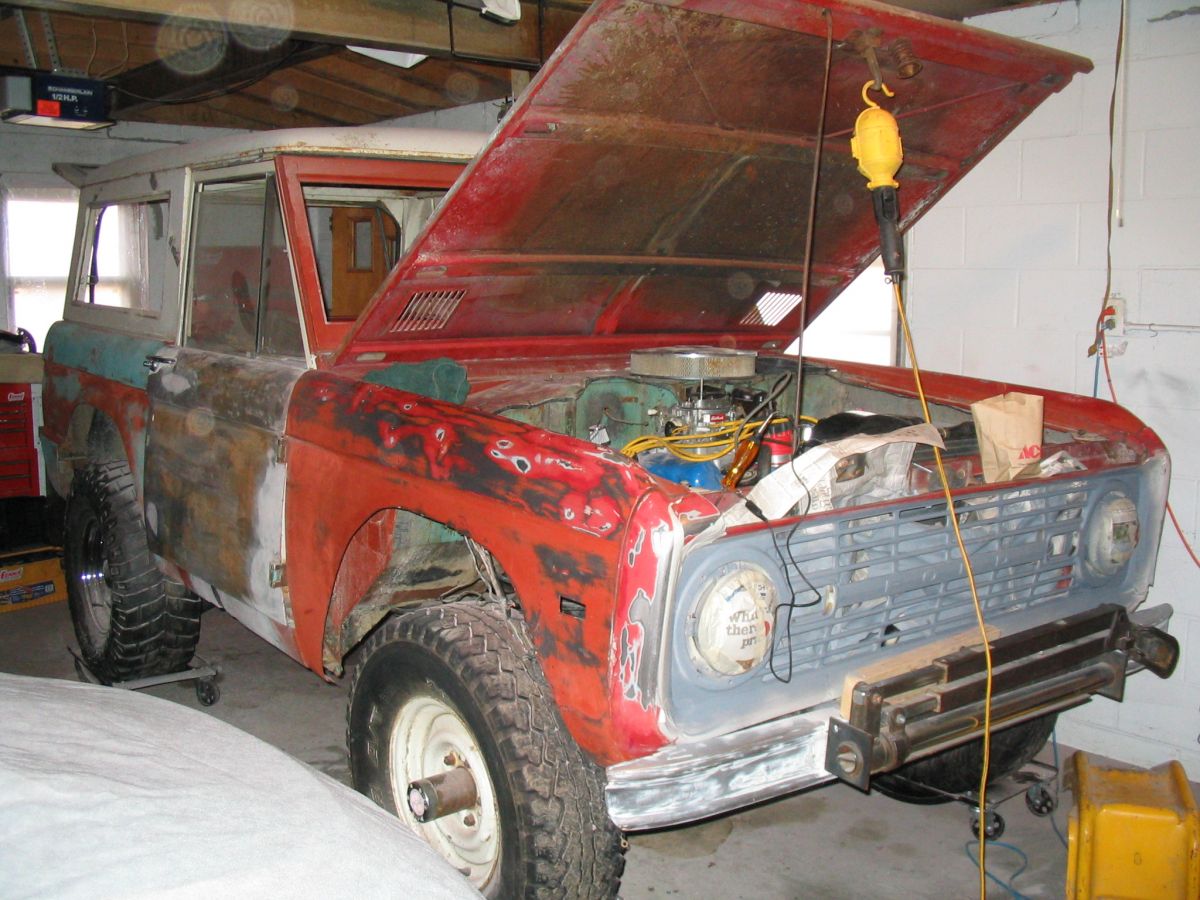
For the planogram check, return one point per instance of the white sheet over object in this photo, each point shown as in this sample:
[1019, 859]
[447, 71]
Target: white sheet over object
[106, 793]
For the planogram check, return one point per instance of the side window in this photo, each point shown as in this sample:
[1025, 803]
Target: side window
[241, 298]
[358, 234]
[280, 327]
[128, 260]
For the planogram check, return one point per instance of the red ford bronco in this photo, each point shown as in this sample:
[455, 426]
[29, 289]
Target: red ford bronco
[512, 421]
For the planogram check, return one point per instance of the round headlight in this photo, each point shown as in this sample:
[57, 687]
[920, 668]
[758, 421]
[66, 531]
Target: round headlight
[733, 619]
[1112, 535]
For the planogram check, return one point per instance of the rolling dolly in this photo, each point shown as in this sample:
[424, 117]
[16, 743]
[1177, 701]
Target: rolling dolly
[204, 675]
[1030, 780]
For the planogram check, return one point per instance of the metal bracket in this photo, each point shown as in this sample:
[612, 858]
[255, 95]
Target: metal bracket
[848, 754]
[51, 42]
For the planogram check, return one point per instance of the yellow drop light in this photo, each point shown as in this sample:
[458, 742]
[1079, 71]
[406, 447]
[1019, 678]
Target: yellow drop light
[876, 143]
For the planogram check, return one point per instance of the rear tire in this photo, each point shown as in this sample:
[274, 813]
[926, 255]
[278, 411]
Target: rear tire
[957, 770]
[130, 620]
[459, 685]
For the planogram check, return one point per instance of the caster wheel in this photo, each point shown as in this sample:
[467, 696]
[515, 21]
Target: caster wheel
[1040, 801]
[207, 692]
[993, 826]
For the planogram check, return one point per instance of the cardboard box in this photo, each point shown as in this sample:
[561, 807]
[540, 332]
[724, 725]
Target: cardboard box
[31, 578]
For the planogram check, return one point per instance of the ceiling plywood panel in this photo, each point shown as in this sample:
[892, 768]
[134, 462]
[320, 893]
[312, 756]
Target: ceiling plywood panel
[215, 72]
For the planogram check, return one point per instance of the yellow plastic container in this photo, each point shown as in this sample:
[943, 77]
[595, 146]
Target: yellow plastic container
[1134, 834]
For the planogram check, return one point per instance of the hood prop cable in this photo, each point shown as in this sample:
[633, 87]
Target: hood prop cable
[806, 277]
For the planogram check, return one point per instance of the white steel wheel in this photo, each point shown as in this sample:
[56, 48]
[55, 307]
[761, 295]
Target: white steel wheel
[430, 738]
[450, 699]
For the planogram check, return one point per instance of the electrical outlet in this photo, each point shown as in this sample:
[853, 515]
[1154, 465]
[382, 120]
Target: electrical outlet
[1114, 316]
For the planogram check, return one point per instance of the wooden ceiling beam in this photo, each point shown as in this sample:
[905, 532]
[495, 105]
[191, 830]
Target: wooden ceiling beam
[418, 26]
[312, 91]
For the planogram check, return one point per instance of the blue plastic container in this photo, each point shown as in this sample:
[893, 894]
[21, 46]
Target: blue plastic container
[703, 475]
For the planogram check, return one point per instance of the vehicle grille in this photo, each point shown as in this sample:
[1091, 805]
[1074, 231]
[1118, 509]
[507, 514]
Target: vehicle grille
[895, 576]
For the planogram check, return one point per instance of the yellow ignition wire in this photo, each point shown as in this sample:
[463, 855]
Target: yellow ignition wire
[725, 437]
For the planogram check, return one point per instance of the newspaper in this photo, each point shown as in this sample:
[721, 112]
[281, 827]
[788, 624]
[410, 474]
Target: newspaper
[808, 480]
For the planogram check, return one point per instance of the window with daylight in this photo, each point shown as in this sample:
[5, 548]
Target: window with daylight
[860, 325]
[127, 259]
[39, 230]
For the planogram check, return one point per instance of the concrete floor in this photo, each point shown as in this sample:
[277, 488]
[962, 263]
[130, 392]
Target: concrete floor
[829, 843]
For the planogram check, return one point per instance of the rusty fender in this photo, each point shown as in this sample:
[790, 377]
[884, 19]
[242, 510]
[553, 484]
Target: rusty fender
[550, 508]
[70, 391]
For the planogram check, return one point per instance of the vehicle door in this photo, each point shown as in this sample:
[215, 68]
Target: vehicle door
[216, 456]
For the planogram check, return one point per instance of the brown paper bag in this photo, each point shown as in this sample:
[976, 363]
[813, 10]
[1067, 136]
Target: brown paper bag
[1009, 429]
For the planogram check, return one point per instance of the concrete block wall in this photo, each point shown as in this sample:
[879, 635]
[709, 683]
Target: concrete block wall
[1008, 275]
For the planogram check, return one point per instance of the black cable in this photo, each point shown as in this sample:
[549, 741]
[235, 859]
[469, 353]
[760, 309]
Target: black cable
[211, 95]
[791, 604]
[776, 390]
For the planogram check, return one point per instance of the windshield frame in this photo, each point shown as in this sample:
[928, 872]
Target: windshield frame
[326, 335]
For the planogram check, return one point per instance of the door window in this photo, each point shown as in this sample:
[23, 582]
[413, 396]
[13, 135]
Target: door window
[128, 258]
[358, 234]
[241, 298]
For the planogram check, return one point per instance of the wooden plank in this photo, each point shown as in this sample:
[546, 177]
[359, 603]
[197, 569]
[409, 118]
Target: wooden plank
[418, 26]
[317, 78]
[914, 659]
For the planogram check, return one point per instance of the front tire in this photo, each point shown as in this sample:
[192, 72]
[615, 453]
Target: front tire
[130, 620]
[459, 685]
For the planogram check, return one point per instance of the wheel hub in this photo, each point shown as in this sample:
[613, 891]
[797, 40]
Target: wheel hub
[443, 794]
[441, 786]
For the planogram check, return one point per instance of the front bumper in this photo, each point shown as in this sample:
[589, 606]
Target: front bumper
[1047, 668]
[918, 713]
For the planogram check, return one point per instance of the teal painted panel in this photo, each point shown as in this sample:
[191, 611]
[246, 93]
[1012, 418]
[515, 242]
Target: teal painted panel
[101, 351]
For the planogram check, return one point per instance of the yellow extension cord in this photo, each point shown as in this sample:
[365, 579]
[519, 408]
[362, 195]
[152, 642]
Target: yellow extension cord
[962, 549]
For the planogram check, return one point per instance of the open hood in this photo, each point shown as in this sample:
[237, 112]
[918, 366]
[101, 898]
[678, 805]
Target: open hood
[654, 178]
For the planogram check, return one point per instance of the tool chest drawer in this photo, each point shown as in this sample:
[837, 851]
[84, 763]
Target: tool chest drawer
[18, 455]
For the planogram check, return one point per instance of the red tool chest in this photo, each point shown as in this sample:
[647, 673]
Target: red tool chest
[18, 455]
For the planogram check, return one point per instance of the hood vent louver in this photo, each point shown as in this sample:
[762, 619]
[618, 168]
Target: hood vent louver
[428, 311]
[771, 308]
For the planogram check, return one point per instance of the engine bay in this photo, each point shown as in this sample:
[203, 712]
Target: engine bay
[716, 419]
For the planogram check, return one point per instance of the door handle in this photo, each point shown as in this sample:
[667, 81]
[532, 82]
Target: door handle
[154, 363]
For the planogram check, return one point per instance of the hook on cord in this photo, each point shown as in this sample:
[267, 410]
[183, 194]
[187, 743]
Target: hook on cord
[879, 85]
